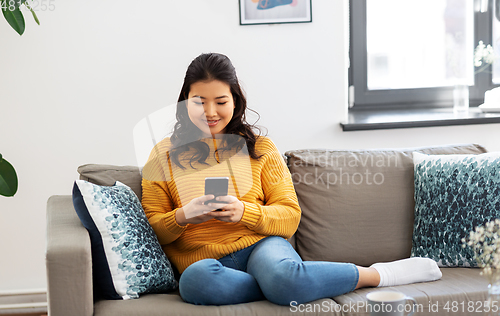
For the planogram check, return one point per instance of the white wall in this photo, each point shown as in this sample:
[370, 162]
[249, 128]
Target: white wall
[72, 89]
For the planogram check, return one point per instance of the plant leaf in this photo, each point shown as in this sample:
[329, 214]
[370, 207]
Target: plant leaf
[27, 4]
[14, 18]
[8, 179]
[34, 15]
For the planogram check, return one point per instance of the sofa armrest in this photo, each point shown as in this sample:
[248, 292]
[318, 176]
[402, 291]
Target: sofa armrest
[68, 260]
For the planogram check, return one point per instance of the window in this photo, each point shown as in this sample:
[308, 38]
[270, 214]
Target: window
[411, 53]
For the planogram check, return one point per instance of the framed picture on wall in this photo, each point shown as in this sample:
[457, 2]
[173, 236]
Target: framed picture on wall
[274, 11]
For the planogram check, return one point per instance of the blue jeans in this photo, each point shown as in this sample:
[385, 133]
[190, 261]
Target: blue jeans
[270, 269]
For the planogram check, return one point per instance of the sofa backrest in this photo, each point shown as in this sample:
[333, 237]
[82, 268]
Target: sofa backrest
[357, 205]
[108, 175]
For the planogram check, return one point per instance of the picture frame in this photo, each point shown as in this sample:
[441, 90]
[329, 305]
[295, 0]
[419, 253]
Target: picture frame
[275, 11]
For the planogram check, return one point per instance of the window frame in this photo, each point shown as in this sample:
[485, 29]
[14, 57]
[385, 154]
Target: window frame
[361, 98]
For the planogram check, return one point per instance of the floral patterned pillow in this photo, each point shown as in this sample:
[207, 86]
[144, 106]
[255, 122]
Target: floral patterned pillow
[126, 255]
[453, 195]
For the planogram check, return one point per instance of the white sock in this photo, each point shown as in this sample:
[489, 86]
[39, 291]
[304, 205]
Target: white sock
[407, 271]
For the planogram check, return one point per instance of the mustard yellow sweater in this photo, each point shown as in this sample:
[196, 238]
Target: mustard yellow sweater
[264, 186]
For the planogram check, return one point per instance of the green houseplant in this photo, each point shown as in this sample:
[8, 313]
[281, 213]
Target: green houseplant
[11, 10]
[8, 178]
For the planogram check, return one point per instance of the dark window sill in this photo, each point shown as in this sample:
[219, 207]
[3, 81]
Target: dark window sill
[407, 118]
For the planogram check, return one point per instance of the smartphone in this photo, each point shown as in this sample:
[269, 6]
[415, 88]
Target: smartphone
[216, 186]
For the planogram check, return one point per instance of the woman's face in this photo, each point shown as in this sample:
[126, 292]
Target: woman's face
[210, 106]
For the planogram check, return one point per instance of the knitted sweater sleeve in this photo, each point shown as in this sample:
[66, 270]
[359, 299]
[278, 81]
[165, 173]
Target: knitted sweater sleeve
[280, 214]
[159, 209]
[157, 201]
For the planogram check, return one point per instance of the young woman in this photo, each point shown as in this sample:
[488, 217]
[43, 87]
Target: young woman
[234, 250]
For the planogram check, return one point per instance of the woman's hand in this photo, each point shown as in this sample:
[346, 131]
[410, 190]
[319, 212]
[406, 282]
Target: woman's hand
[231, 211]
[195, 212]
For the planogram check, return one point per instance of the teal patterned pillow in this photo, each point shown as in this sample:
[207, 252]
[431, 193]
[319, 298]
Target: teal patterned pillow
[453, 195]
[126, 255]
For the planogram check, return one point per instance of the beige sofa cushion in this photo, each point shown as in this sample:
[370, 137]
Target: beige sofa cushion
[461, 291]
[172, 304]
[108, 175]
[357, 206]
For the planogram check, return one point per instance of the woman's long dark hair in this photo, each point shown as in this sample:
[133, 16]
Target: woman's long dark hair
[186, 135]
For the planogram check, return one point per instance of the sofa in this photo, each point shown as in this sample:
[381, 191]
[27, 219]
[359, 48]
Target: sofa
[357, 206]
